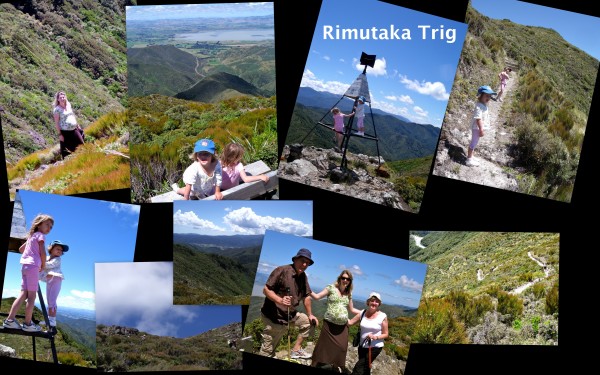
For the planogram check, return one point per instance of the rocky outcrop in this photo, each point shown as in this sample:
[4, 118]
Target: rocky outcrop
[6, 351]
[319, 167]
[383, 364]
[119, 330]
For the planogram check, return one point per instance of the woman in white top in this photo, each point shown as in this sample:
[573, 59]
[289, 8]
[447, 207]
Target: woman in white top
[373, 329]
[70, 133]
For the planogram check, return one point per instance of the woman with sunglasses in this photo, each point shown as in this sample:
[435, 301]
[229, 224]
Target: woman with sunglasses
[331, 348]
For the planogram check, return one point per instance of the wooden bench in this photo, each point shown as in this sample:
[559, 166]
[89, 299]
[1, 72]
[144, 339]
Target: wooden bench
[243, 191]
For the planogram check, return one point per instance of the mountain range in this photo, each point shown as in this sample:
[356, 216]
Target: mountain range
[238, 240]
[123, 349]
[214, 269]
[398, 139]
[149, 67]
[169, 70]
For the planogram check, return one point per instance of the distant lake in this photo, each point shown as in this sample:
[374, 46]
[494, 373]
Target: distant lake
[215, 35]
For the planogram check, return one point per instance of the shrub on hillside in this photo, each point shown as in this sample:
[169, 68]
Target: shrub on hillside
[552, 299]
[509, 305]
[437, 323]
[491, 331]
[470, 309]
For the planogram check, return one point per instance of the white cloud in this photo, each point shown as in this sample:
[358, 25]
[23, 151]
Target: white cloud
[378, 69]
[405, 99]
[75, 302]
[401, 98]
[316, 52]
[356, 271]
[420, 111]
[264, 267]
[124, 208]
[335, 87]
[435, 89]
[340, 72]
[245, 220]
[342, 60]
[227, 209]
[82, 294]
[190, 219]
[139, 290]
[327, 58]
[409, 284]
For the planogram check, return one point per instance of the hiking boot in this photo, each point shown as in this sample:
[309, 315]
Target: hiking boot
[300, 354]
[13, 324]
[31, 328]
[52, 321]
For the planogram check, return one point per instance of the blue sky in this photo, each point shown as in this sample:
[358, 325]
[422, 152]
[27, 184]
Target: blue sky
[229, 217]
[399, 281]
[578, 29]
[411, 78]
[157, 12]
[140, 295]
[95, 230]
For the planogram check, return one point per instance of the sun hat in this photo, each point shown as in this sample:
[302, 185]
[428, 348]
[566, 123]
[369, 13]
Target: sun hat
[204, 145]
[57, 242]
[485, 90]
[376, 295]
[304, 253]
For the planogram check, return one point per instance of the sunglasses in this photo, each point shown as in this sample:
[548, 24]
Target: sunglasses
[346, 278]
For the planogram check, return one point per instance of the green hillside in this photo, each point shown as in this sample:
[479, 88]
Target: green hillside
[164, 130]
[201, 278]
[72, 345]
[47, 46]
[160, 69]
[255, 64]
[549, 113]
[217, 87]
[489, 287]
[398, 140]
[122, 349]
[100, 164]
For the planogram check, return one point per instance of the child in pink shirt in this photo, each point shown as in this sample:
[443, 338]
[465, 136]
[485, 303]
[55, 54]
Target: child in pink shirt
[33, 260]
[233, 169]
[338, 126]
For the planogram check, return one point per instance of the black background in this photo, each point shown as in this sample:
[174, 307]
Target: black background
[447, 205]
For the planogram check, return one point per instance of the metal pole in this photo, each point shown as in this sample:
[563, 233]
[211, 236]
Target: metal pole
[376, 139]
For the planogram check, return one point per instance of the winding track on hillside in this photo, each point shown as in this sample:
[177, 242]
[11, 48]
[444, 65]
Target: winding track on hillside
[492, 152]
[547, 271]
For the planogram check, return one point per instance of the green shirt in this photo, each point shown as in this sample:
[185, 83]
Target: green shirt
[337, 306]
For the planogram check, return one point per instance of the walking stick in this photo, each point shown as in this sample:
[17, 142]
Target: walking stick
[288, 327]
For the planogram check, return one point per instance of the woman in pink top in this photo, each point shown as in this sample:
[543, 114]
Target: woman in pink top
[233, 169]
[33, 260]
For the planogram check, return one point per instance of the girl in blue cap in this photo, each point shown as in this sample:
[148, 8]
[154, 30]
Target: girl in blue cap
[481, 121]
[203, 178]
[52, 275]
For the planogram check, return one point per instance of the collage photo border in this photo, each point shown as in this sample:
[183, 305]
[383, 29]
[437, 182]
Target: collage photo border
[456, 207]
